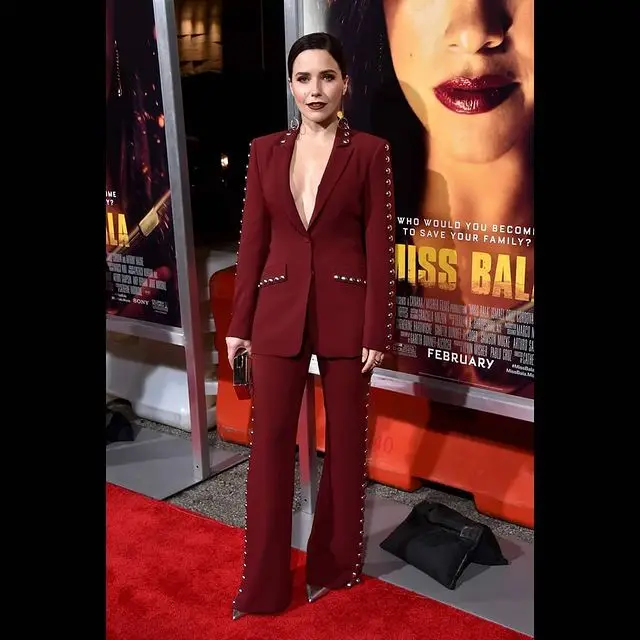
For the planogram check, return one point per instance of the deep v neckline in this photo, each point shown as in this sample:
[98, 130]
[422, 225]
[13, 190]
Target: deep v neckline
[320, 183]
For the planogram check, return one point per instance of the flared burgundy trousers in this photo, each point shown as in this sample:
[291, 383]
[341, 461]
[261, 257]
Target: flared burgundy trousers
[335, 550]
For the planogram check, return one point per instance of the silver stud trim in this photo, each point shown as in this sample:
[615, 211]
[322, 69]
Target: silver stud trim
[353, 279]
[389, 217]
[274, 279]
[244, 557]
[244, 201]
[357, 568]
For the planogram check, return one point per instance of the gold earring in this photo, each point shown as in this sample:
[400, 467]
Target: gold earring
[343, 123]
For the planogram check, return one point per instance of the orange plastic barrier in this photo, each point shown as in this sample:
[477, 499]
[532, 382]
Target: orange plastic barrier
[411, 438]
[232, 415]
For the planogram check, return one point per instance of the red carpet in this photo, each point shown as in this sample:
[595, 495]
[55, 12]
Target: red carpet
[172, 574]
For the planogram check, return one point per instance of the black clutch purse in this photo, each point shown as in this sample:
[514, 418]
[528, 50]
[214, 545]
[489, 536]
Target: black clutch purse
[442, 542]
[242, 374]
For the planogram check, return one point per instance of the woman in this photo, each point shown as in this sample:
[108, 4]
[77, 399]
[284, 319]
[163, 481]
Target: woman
[314, 276]
[451, 85]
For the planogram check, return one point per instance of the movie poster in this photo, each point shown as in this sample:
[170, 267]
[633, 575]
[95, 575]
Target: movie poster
[450, 84]
[140, 250]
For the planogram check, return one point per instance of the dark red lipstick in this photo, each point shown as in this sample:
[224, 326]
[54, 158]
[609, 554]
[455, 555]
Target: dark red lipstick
[474, 95]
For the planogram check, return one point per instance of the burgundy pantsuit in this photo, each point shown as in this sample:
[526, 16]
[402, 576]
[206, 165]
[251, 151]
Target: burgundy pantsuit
[328, 290]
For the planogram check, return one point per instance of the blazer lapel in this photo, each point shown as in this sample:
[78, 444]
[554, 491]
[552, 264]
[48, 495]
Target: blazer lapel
[340, 154]
[338, 159]
[281, 170]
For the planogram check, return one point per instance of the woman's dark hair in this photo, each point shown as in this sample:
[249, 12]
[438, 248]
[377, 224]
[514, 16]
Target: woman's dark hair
[376, 102]
[320, 40]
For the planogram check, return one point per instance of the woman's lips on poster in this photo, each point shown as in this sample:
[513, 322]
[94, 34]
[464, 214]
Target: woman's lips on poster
[316, 106]
[475, 95]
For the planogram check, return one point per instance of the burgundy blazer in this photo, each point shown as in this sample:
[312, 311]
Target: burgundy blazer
[349, 250]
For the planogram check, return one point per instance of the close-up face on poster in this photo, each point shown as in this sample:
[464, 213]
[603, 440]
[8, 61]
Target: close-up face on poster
[449, 83]
[141, 280]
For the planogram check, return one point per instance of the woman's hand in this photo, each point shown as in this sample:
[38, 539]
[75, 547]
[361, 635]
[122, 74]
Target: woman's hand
[371, 358]
[234, 345]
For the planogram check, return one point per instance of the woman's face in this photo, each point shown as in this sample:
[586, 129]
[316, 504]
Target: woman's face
[466, 69]
[317, 85]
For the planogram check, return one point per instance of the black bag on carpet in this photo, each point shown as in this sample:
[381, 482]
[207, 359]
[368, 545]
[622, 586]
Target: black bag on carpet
[442, 543]
[119, 421]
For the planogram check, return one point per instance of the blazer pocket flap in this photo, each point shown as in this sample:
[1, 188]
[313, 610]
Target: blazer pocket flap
[273, 274]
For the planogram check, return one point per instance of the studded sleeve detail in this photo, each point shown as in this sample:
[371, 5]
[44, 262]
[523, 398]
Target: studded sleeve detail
[380, 249]
[252, 251]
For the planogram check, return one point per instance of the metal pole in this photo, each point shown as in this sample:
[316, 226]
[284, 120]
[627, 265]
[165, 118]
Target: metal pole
[188, 289]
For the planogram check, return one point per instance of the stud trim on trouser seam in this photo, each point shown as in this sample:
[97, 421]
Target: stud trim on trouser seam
[357, 570]
[244, 559]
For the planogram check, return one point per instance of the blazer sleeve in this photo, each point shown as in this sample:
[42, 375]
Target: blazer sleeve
[379, 320]
[252, 252]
